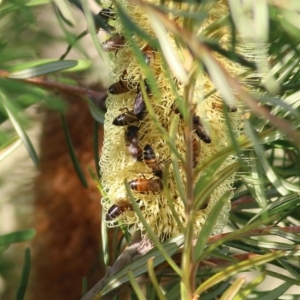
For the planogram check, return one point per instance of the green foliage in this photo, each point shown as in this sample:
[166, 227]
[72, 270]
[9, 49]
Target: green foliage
[265, 208]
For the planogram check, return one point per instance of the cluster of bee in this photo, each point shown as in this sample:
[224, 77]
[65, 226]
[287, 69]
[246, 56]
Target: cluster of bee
[132, 142]
[128, 118]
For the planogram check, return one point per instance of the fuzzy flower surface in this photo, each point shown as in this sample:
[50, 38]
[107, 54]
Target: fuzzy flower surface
[137, 151]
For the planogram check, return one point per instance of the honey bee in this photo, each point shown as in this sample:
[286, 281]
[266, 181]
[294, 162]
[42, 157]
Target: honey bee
[132, 142]
[148, 54]
[139, 104]
[119, 87]
[200, 131]
[219, 106]
[196, 151]
[198, 127]
[117, 209]
[106, 14]
[128, 117]
[151, 161]
[143, 185]
[114, 43]
[205, 204]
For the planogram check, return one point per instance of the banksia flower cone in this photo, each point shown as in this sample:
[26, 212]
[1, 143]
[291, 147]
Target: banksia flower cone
[136, 149]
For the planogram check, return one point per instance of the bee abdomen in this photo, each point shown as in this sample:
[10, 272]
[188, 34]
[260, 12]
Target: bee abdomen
[136, 152]
[125, 118]
[117, 209]
[144, 185]
[200, 131]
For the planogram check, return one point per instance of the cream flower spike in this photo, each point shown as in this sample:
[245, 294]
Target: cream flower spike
[134, 149]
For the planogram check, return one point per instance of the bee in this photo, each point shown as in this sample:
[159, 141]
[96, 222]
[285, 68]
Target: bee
[143, 185]
[196, 151]
[132, 142]
[114, 43]
[128, 117]
[200, 131]
[198, 127]
[151, 161]
[205, 204]
[148, 54]
[117, 209]
[219, 106]
[106, 14]
[119, 87]
[139, 106]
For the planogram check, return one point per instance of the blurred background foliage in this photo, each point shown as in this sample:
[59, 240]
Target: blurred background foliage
[264, 219]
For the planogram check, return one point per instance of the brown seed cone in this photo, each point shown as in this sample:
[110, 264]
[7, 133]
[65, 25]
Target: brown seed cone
[67, 216]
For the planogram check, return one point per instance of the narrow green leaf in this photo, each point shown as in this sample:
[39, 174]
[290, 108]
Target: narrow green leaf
[167, 49]
[170, 199]
[164, 133]
[282, 277]
[37, 2]
[174, 161]
[212, 184]
[154, 281]
[236, 235]
[233, 289]
[96, 181]
[65, 11]
[173, 292]
[216, 291]
[149, 230]
[257, 187]
[135, 286]
[138, 267]
[276, 292]
[92, 29]
[239, 267]
[208, 225]
[268, 245]
[97, 114]
[25, 275]
[131, 26]
[84, 285]
[96, 149]
[288, 265]
[43, 69]
[72, 153]
[19, 129]
[9, 147]
[17, 237]
[277, 207]
[269, 171]
[248, 289]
